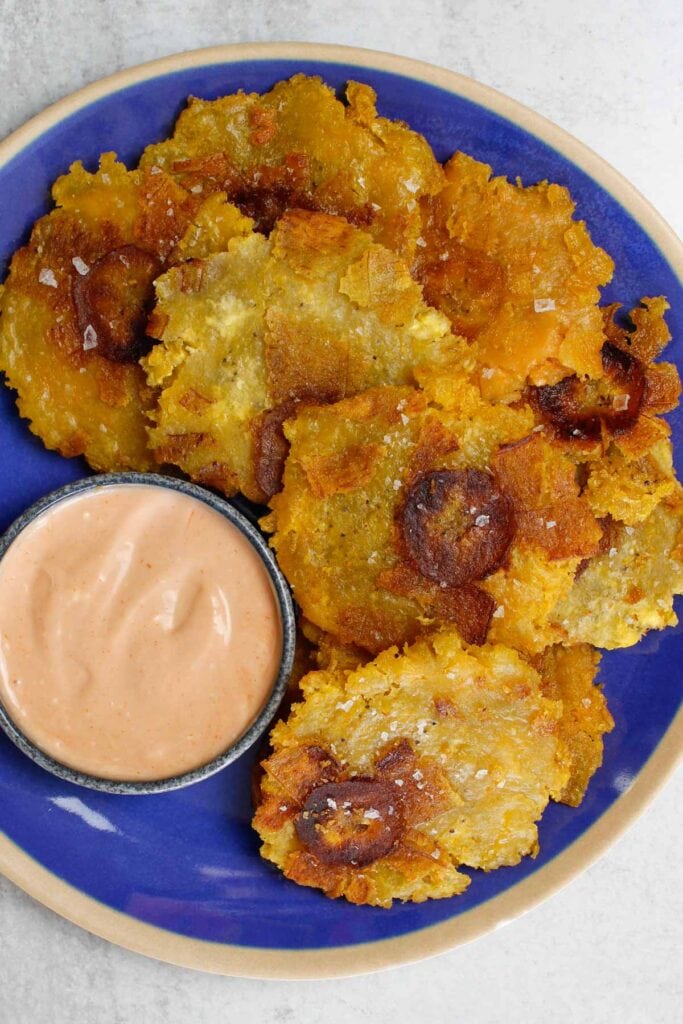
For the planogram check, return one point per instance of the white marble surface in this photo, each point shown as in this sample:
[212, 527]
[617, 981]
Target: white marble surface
[608, 948]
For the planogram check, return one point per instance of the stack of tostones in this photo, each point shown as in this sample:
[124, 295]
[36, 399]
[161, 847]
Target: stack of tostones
[470, 482]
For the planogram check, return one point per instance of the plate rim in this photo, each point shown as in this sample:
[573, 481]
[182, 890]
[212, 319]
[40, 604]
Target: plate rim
[361, 958]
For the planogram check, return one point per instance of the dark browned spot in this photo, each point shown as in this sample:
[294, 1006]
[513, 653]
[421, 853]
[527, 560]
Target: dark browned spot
[465, 285]
[264, 193]
[456, 525]
[579, 409]
[177, 447]
[271, 447]
[353, 822]
[193, 401]
[263, 125]
[468, 608]
[445, 708]
[219, 476]
[112, 301]
[400, 754]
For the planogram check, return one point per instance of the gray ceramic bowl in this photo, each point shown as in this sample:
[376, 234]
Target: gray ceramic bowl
[257, 728]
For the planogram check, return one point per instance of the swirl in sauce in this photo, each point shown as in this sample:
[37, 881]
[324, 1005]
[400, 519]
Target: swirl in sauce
[140, 634]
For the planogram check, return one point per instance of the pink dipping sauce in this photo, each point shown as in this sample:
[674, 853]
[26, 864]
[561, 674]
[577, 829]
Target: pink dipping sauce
[140, 634]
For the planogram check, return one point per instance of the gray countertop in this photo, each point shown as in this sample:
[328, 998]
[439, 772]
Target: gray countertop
[607, 948]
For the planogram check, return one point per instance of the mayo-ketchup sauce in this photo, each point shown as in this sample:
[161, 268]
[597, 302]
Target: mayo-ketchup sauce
[140, 634]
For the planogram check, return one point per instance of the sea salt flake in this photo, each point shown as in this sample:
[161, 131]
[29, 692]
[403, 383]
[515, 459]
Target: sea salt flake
[396, 485]
[398, 782]
[47, 276]
[283, 807]
[586, 702]
[421, 242]
[550, 524]
[372, 814]
[347, 705]
[404, 419]
[384, 736]
[612, 552]
[481, 774]
[196, 189]
[620, 402]
[630, 531]
[544, 305]
[487, 373]
[332, 804]
[482, 520]
[499, 612]
[81, 266]
[89, 338]
[435, 854]
[417, 775]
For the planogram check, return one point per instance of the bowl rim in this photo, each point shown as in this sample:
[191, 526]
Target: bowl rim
[125, 787]
[346, 961]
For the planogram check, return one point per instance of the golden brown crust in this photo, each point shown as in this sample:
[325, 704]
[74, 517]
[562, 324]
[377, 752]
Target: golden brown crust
[72, 311]
[299, 147]
[550, 513]
[415, 794]
[506, 262]
[568, 675]
[268, 324]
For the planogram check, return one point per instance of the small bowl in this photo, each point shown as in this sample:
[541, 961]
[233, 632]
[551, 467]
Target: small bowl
[287, 618]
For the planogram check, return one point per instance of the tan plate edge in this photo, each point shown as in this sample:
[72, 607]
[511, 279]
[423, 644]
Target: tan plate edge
[345, 961]
[249, 962]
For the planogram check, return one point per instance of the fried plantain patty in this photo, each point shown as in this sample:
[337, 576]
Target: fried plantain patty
[74, 307]
[382, 532]
[516, 274]
[387, 779]
[298, 146]
[316, 312]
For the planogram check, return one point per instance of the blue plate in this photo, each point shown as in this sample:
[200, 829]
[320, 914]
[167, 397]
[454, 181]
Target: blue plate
[178, 875]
